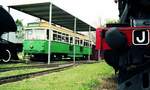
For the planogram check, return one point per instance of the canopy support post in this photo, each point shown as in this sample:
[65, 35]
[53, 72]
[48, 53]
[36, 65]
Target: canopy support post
[8, 32]
[99, 57]
[49, 41]
[9, 10]
[74, 40]
[89, 43]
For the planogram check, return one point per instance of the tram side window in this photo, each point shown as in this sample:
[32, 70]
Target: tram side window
[67, 38]
[71, 39]
[86, 43]
[63, 38]
[59, 37]
[47, 34]
[77, 40]
[54, 35]
[81, 42]
[90, 43]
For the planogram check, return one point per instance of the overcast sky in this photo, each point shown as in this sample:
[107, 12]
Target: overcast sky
[91, 11]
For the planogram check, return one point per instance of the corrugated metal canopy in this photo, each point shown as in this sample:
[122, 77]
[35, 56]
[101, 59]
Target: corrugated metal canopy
[59, 16]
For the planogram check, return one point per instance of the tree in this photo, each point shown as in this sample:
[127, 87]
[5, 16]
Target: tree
[112, 21]
[20, 29]
[19, 24]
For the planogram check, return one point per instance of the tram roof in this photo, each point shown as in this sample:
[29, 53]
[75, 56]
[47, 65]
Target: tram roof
[59, 16]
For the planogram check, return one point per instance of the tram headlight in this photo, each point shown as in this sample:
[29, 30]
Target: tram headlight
[31, 46]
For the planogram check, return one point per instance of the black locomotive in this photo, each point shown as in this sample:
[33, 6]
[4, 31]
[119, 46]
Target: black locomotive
[8, 50]
[126, 45]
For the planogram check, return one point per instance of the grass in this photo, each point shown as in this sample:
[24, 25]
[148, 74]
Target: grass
[23, 71]
[83, 77]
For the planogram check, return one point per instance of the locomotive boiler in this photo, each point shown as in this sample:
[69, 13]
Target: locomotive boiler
[126, 45]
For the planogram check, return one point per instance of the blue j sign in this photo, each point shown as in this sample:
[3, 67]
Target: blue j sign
[140, 37]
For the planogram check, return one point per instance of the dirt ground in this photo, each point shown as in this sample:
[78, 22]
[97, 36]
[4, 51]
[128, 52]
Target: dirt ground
[108, 84]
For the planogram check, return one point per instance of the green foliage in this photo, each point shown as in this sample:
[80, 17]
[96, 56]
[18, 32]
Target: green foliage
[83, 77]
[19, 22]
[112, 21]
[20, 34]
[20, 29]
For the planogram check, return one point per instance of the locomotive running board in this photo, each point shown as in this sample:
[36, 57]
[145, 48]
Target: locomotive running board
[140, 81]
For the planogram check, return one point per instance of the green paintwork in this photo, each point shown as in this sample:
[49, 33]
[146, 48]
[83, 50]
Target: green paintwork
[41, 47]
[34, 46]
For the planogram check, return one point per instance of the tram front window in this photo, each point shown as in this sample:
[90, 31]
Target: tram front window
[36, 34]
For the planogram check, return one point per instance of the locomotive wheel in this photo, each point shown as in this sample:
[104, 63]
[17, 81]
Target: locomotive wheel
[6, 56]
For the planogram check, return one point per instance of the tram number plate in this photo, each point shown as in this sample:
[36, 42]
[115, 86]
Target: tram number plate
[140, 37]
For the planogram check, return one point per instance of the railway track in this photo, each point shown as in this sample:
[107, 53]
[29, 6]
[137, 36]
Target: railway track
[43, 65]
[28, 67]
[55, 67]
[14, 78]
